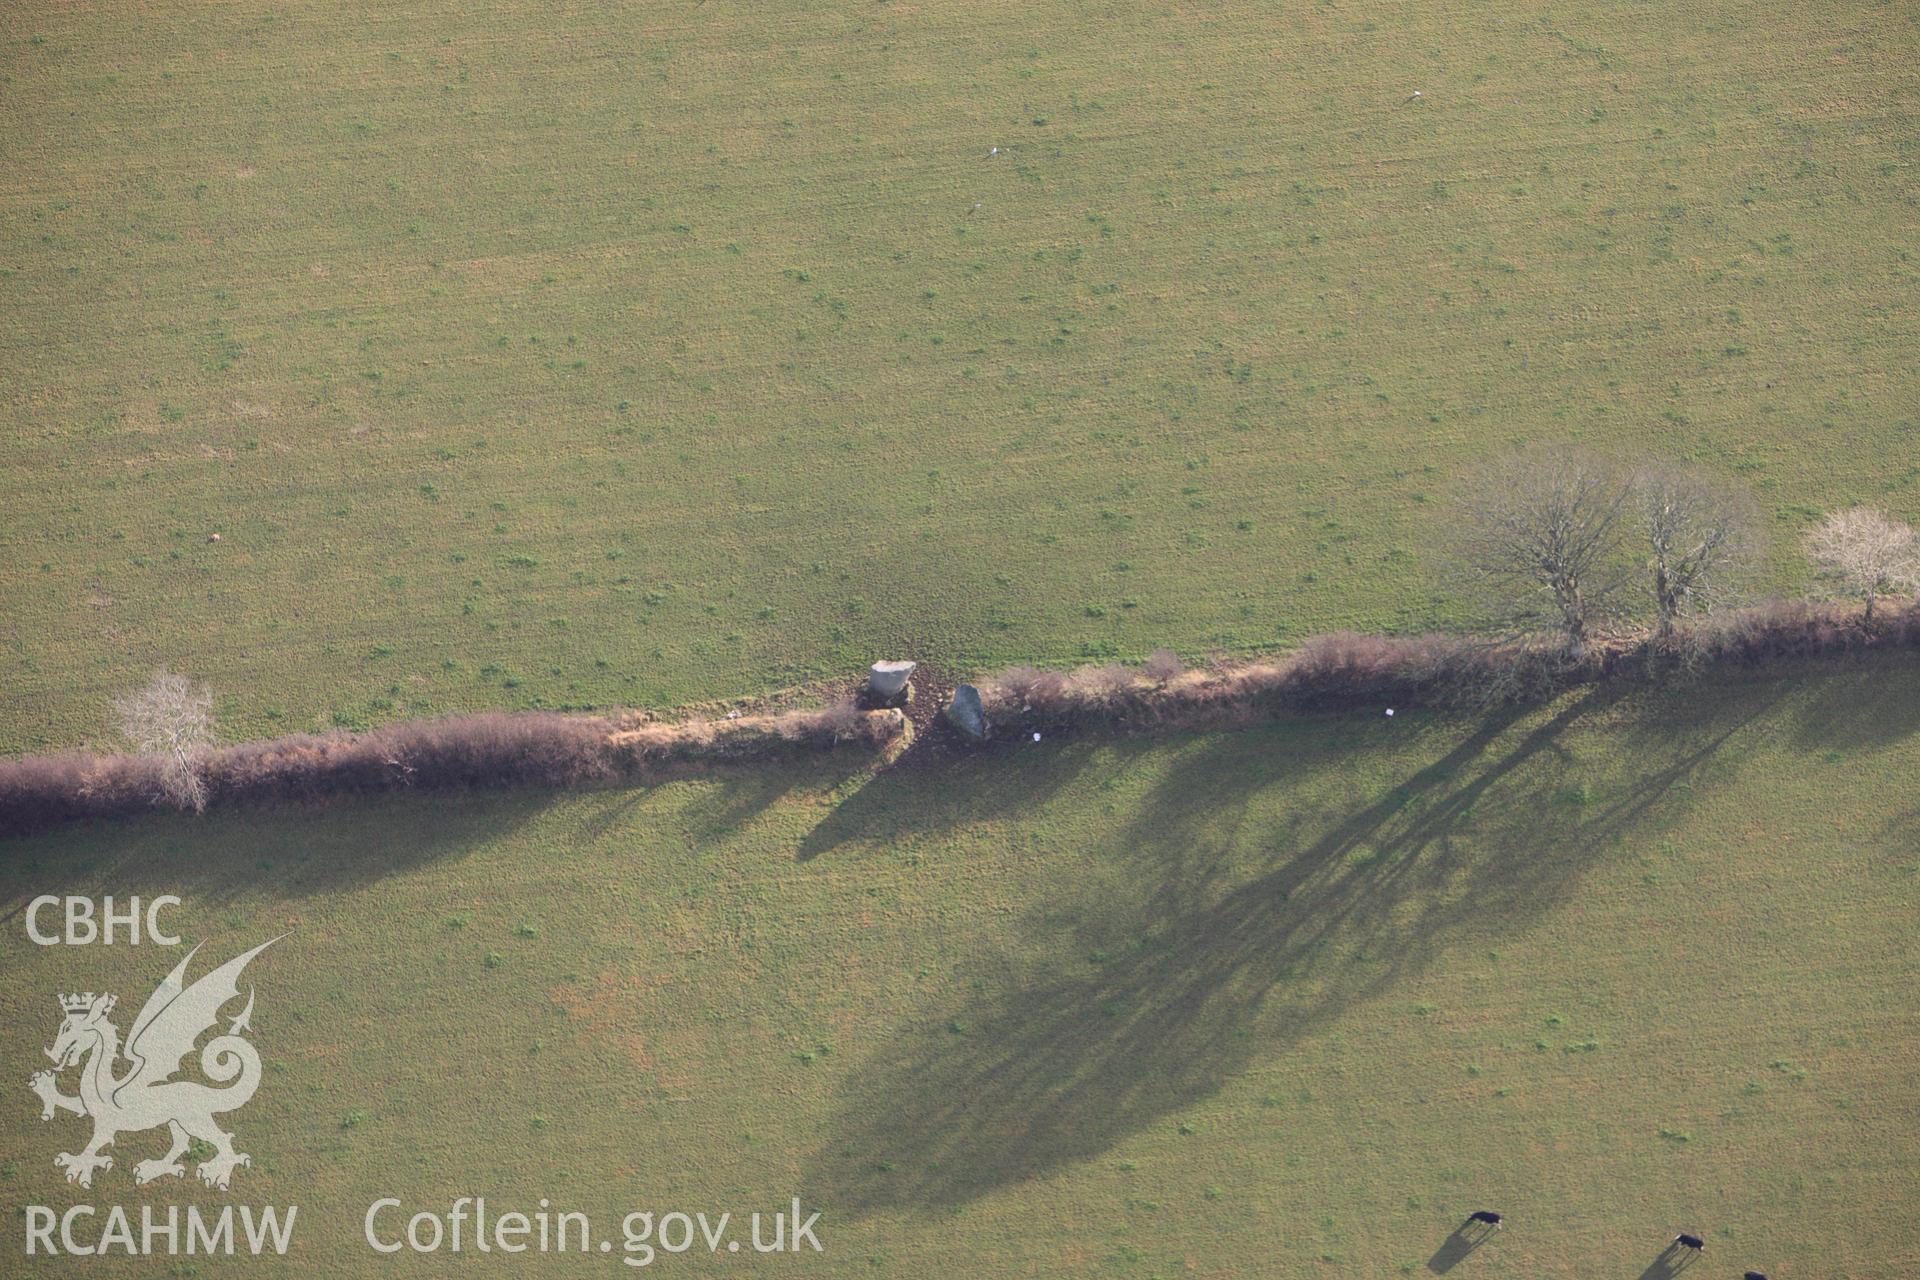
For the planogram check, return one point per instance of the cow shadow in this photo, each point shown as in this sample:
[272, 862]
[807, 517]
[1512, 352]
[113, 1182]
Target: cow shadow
[1466, 1237]
[1671, 1261]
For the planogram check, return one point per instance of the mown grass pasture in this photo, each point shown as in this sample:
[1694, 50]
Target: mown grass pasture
[529, 355]
[1283, 1002]
[524, 355]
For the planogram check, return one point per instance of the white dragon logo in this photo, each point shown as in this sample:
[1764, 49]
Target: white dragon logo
[142, 1097]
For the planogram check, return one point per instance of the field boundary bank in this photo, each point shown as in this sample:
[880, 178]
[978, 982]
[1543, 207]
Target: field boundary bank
[560, 750]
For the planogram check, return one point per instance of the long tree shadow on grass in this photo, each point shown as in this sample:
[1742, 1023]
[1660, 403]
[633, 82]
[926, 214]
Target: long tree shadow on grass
[1058, 1062]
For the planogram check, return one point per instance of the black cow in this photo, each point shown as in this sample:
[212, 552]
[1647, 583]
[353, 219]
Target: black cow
[1694, 1243]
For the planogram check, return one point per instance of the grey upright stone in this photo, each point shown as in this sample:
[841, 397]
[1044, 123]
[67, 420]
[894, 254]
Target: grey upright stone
[885, 680]
[967, 712]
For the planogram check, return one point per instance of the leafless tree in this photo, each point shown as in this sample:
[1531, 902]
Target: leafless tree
[1866, 552]
[1162, 665]
[1699, 539]
[1539, 544]
[172, 721]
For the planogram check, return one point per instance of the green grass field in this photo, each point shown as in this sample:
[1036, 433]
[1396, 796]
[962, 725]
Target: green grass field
[531, 355]
[535, 355]
[1284, 1002]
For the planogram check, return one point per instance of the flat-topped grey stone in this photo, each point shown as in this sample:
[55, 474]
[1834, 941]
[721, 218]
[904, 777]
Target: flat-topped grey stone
[968, 713]
[885, 680]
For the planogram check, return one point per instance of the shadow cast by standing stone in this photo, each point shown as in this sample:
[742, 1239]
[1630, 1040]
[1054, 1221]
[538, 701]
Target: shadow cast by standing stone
[987, 783]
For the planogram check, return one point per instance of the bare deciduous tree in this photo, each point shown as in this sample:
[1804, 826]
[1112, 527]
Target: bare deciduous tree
[1699, 540]
[1162, 665]
[1868, 553]
[172, 721]
[1540, 543]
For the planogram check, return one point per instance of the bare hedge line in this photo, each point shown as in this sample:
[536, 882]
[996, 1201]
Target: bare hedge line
[553, 750]
[1346, 669]
[485, 751]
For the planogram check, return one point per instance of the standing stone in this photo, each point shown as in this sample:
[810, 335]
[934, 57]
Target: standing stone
[885, 680]
[967, 713]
